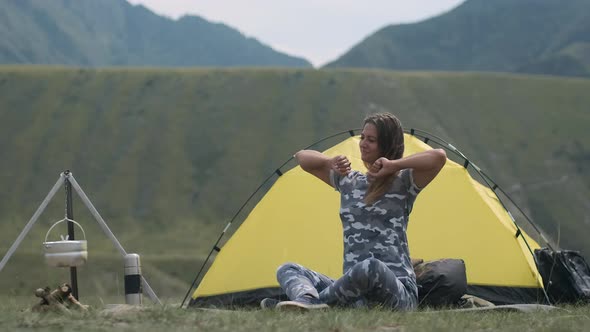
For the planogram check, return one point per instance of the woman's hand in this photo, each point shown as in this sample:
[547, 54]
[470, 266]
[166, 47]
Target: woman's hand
[382, 167]
[320, 165]
[340, 164]
[425, 165]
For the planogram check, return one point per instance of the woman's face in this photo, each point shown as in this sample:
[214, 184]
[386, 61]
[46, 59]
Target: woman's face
[368, 144]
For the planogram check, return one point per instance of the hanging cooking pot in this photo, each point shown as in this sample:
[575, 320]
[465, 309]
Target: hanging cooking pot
[65, 253]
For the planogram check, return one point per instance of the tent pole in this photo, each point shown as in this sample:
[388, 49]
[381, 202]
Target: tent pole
[215, 247]
[481, 173]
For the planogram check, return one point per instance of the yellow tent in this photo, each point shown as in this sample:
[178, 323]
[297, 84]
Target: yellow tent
[297, 221]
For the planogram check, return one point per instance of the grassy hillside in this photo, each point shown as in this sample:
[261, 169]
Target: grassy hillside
[527, 36]
[115, 33]
[168, 156]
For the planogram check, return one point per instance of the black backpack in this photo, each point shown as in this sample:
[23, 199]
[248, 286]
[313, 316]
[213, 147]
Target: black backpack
[566, 275]
[441, 282]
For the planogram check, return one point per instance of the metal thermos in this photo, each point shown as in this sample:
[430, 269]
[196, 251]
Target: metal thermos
[133, 287]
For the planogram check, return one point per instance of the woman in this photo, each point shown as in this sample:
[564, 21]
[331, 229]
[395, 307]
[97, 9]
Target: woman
[374, 211]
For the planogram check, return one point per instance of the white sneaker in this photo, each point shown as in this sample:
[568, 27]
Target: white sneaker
[305, 303]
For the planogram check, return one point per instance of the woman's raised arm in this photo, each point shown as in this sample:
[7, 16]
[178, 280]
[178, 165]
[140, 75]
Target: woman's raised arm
[319, 165]
[426, 166]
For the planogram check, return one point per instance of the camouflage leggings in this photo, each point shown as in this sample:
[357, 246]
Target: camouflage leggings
[367, 283]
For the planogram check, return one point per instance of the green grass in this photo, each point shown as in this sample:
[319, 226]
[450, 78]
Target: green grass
[16, 316]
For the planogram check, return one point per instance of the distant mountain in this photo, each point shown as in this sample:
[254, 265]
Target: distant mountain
[116, 33]
[526, 36]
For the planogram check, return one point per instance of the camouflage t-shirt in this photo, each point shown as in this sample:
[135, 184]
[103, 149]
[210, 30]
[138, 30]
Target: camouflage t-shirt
[377, 230]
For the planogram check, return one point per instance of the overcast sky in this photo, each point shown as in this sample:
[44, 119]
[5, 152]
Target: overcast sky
[318, 30]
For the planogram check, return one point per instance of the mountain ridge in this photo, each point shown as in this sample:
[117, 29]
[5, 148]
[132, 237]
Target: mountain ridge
[528, 36]
[116, 33]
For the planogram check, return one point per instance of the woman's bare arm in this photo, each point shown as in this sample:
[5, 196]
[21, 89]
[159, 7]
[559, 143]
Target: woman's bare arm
[426, 166]
[319, 165]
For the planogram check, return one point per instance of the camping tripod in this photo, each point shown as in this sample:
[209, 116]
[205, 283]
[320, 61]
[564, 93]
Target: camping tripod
[68, 179]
